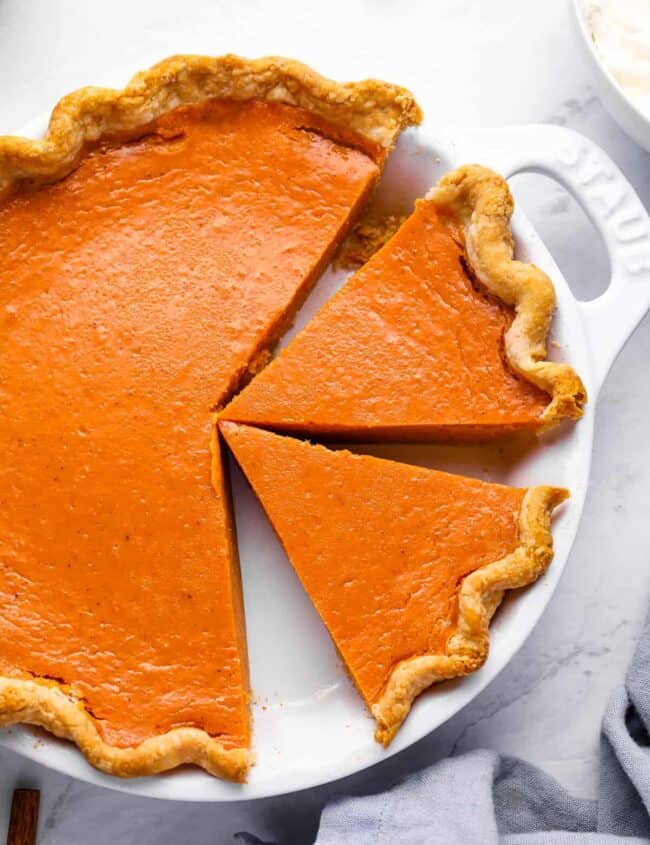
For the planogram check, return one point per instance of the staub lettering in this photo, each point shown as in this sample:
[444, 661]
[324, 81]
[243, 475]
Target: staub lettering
[612, 202]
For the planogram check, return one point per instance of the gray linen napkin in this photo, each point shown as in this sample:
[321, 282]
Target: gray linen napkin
[485, 798]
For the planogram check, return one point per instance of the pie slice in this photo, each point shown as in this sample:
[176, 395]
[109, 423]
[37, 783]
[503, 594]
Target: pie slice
[154, 246]
[441, 335]
[405, 565]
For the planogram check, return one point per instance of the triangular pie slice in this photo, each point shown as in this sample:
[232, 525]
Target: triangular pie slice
[441, 335]
[154, 246]
[405, 565]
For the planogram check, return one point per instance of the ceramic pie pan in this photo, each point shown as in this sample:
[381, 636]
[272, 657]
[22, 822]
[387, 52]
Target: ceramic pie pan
[310, 726]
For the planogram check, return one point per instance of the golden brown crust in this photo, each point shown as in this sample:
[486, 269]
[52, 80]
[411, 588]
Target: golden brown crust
[375, 110]
[479, 202]
[479, 596]
[46, 704]
[366, 238]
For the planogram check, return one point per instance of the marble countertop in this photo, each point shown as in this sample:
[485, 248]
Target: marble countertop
[470, 64]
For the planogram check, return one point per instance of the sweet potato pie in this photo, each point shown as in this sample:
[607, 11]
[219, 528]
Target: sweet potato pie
[156, 244]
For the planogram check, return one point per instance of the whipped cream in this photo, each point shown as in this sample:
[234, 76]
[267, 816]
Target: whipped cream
[621, 33]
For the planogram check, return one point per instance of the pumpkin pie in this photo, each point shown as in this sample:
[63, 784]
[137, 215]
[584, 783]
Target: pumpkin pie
[155, 244]
[440, 335]
[405, 565]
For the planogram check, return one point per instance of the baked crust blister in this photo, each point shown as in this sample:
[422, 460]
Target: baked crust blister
[479, 202]
[375, 110]
[479, 596]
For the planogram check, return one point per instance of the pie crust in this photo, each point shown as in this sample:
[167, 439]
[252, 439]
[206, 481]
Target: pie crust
[479, 597]
[375, 110]
[47, 705]
[480, 203]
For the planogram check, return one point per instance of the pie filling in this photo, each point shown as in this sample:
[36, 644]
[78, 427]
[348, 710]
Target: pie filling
[136, 295]
[380, 547]
[411, 347]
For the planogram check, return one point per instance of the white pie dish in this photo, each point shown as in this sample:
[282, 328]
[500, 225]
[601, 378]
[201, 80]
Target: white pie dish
[626, 114]
[310, 725]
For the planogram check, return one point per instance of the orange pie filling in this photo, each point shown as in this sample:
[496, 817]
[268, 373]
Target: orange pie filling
[380, 547]
[410, 348]
[136, 295]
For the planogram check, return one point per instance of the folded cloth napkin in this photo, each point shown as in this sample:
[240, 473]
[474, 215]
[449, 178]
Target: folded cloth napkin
[485, 798]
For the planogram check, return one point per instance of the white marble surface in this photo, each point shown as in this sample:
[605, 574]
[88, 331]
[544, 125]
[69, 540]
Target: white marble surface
[470, 63]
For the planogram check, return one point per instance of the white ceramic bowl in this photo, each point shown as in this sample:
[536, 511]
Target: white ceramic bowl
[310, 725]
[624, 112]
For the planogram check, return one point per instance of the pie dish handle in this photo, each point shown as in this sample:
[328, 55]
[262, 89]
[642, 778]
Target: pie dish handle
[611, 203]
